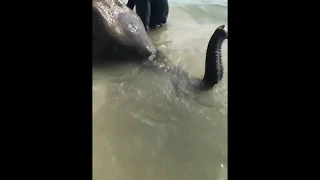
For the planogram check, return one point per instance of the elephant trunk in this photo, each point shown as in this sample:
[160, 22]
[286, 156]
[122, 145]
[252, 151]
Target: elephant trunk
[214, 67]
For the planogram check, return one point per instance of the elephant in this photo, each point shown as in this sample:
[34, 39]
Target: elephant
[115, 25]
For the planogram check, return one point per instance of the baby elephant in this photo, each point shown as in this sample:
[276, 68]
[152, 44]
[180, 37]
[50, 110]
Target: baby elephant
[153, 13]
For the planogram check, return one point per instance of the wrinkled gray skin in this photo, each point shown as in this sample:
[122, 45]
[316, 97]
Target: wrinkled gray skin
[116, 28]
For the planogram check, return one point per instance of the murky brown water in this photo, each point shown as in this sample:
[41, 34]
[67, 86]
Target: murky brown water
[143, 129]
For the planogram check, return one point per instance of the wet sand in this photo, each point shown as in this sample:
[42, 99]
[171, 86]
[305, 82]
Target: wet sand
[143, 129]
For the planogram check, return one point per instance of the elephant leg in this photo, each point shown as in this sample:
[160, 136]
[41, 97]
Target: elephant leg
[164, 11]
[159, 13]
[143, 9]
[131, 4]
[155, 10]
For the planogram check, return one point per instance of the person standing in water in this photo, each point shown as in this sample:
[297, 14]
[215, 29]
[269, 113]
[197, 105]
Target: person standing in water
[153, 13]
